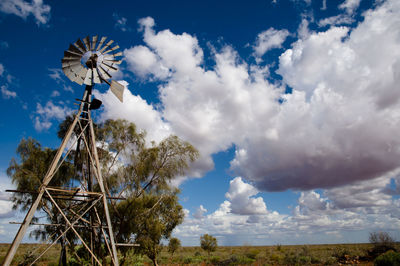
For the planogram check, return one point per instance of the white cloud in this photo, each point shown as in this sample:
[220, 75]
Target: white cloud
[350, 5]
[341, 19]
[55, 93]
[241, 194]
[268, 40]
[142, 61]
[49, 112]
[1, 69]
[6, 93]
[121, 23]
[199, 214]
[316, 218]
[23, 9]
[136, 110]
[339, 125]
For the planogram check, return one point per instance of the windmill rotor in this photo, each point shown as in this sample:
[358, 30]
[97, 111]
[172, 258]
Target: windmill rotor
[91, 60]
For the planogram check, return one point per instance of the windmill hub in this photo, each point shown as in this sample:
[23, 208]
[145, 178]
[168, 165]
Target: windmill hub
[92, 61]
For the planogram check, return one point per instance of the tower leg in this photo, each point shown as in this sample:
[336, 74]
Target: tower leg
[101, 184]
[28, 218]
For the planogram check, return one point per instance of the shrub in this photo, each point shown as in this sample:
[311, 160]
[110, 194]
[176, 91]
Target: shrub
[390, 258]
[208, 243]
[252, 254]
[174, 245]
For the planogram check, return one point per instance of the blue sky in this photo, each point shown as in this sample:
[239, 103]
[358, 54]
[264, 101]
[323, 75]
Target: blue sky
[293, 105]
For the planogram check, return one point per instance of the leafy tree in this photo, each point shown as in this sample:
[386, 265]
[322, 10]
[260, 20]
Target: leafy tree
[174, 245]
[142, 174]
[133, 169]
[27, 175]
[208, 243]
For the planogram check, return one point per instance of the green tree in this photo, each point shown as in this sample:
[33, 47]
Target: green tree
[27, 174]
[138, 171]
[208, 243]
[142, 174]
[174, 245]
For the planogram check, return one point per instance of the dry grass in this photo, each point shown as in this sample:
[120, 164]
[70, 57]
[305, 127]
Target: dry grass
[236, 255]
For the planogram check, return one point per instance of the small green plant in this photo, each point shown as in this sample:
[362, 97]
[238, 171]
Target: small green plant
[252, 254]
[27, 258]
[390, 258]
[208, 243]
[174, 245]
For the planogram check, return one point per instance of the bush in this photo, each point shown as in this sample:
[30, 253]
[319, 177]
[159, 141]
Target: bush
[390, 258]
[208, 243]
[252, 254]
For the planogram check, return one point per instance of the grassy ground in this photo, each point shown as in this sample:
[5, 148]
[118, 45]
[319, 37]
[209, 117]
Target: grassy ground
[349, 254]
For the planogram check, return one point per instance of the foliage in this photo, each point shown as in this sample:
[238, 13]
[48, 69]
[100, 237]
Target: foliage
[208, 243]
[381, 242]
[131, 168]
[389, 258]
[173, 245]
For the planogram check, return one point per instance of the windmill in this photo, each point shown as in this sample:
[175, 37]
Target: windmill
[85, 62]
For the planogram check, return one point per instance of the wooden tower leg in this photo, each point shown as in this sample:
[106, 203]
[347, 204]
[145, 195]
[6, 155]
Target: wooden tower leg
[49, 175]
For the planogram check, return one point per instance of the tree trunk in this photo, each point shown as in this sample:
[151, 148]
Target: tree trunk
[154, 260]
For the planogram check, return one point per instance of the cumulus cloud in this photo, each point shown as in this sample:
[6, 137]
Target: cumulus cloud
[44, 115]
[199, 214]
[268, 40]
[134, 109]
[338, 126]
[1, 69]
[241, 198]
[23, 9]
[318, 217]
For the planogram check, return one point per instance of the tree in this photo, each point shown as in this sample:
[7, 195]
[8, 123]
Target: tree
[208, 243]
[27, 175]
[174, 245]
[140, 172]
[381, 242]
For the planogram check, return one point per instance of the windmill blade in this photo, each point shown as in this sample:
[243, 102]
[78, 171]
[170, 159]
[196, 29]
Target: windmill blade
[94, 42]
[88, 78]
[74, 49]
[79, 44]
[106, 46]
[113, 61]
[108, 68]
[86, 41]
[104, 75]
[101, 43]
[81, 76]
[118, 90]
[96, 77]
[112, 49]
[70, 63]
[117, 54]
[70, 60]
[74, 69]
[71, 54]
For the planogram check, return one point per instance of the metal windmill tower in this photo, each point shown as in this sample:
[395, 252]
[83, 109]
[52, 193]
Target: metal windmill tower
[83, 209]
